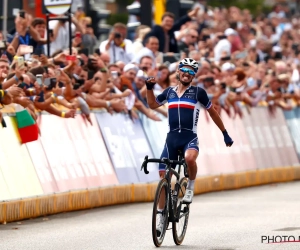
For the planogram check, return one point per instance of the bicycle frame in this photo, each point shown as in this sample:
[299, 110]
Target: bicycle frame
[168, 175]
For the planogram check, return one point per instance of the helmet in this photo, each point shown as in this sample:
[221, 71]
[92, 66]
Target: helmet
[189, 62]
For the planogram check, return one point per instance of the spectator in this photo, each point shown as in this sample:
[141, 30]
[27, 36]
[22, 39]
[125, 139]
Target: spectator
[189, 41]
[118, 47]
[60, 30]
[141, 31]
[224, 44]
[165, 32]
[150, 50]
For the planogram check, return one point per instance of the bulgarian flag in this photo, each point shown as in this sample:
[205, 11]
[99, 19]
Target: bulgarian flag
[27, 127]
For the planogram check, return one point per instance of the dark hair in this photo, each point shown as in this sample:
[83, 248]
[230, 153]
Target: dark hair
[148, 39]
[37, 70]
[4, 60]
[168, 14]
[149, 57]
[38, 21]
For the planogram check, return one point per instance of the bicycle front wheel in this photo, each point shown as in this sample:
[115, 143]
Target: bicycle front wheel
[182, 213]
[160, 213]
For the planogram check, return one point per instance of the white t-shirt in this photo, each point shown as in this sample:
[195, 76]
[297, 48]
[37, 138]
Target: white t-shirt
[223, 45]
[62, 40]
[117, 53]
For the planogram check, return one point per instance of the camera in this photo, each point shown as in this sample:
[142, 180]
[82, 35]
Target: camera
[117, 35]
[22, 13]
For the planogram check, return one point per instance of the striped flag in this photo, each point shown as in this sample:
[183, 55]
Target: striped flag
[27, 127]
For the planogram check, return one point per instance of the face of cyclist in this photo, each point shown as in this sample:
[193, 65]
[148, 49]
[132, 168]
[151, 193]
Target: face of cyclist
[186, 75]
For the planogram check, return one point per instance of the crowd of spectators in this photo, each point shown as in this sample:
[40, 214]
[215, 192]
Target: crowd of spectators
[244, 60]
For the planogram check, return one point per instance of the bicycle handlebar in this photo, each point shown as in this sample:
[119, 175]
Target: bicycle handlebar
[163, 160]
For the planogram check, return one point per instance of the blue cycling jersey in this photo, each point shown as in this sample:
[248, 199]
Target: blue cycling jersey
[184, 111]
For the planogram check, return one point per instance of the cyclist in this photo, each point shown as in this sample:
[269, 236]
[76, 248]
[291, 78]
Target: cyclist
[184, 106]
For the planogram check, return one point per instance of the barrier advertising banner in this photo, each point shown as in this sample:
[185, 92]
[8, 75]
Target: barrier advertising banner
[91, 151]
[156, 133]
[17, 174]
[71, 158]
[293, 121]
[127, 146]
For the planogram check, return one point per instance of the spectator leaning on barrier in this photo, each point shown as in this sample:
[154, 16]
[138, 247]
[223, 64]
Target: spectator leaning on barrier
[118, 47]
[165, 31]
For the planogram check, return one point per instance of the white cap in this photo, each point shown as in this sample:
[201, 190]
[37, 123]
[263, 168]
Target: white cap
[229, 32]
[227, 66]
[130, 66]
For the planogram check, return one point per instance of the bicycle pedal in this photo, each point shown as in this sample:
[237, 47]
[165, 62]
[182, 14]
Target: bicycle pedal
[169, 228]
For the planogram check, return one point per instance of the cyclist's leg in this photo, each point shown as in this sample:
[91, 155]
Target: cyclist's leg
[169, 152]
[191, 154]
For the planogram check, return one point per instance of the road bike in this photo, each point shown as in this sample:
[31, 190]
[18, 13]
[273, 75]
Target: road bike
[174, 211]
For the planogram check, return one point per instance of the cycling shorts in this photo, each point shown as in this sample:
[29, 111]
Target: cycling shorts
[175, 141]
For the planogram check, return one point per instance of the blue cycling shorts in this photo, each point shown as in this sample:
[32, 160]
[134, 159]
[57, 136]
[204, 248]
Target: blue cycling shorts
[178, 141]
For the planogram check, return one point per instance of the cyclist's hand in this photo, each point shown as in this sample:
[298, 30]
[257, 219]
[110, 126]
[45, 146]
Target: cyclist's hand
[227, 139]
[150, 82]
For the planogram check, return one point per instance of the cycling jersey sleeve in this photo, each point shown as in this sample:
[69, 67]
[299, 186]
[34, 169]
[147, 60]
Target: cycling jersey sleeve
[163, 97]
[203, 98]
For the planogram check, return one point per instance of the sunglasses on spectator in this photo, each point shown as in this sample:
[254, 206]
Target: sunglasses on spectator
[189, 71]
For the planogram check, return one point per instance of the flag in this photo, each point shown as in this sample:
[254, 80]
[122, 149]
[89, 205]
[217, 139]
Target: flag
[27, 127]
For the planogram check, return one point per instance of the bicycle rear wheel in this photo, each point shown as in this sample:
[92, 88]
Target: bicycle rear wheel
[161, 216]
[182, 211]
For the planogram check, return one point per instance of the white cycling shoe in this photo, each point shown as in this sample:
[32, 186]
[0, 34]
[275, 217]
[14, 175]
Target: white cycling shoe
[188, 197]
[160, 221]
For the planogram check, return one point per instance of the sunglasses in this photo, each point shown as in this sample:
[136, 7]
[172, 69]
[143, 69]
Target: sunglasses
[189, 71]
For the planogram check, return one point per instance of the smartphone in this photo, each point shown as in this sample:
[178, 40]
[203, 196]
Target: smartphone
[78, 35]
[22, 13]
[71, 58]
[90, 75]
[2, 44]
[39, 79]
[22, 85]
[25, 49]
[50, 32]
[52, 84]
[114, 74]
[20, 61]
[241, 55]
[158, 74]
[46, 69]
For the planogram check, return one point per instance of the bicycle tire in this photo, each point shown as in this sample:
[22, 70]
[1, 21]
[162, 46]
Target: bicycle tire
[178, 239]
[159, 240]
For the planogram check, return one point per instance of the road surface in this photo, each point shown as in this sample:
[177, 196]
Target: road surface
[229, 220]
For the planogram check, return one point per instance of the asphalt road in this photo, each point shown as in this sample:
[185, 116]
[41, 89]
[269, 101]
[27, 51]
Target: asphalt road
[230, 220]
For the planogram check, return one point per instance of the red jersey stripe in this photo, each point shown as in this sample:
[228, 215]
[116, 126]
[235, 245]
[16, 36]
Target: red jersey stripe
[181, 106]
